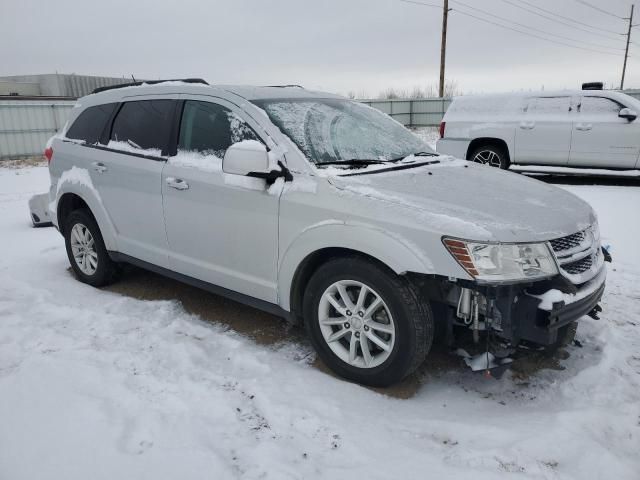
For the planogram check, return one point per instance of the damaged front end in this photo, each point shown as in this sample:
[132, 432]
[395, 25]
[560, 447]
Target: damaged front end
[504, 315]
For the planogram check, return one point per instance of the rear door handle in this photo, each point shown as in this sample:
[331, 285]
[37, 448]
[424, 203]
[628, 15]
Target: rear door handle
[584, 126]
[527, 125]
[99, 167]
[177, 183]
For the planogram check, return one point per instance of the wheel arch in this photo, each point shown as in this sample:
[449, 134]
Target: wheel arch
[316, 245]
[488, 141]
[71, 195]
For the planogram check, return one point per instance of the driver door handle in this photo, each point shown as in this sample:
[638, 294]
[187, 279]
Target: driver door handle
[584, 126]
[177, 183]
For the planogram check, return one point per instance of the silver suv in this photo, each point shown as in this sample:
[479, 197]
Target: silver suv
[326, 212]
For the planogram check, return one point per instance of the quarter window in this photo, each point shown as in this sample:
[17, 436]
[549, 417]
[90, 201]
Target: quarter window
[209, 129]
[143, 126]
[89, 125]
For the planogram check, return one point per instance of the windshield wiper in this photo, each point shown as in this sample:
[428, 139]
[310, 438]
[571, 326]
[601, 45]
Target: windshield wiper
[417, 154]
[353, 162]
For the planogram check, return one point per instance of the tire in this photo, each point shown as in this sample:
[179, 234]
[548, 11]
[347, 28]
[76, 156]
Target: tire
[400, 311]
[491, 155]
[100, 269]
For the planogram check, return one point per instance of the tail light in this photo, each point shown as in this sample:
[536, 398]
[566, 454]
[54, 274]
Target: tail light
[442, 125]
[48, 153]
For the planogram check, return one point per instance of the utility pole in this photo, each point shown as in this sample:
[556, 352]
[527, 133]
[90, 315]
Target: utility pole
[626, 50]
[443, 45]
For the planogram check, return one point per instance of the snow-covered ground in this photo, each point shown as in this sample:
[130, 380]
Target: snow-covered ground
[96, 384]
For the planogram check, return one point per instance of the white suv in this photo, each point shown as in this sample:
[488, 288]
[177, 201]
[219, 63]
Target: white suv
[586, 128]
[324, 211]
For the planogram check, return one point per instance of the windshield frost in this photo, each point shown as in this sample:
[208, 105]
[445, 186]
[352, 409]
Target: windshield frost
[334, 130]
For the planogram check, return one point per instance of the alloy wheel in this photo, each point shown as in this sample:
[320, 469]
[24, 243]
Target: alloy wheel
[487, 157]
[83, 248]
[356, 324]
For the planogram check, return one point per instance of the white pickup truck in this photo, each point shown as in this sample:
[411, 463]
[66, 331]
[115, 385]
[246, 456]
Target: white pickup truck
[583, 128]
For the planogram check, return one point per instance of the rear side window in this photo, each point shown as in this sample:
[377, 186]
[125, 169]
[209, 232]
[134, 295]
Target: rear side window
[599, 106]
[89, 125]
[143, 126]
[548, 105]
[210, 129]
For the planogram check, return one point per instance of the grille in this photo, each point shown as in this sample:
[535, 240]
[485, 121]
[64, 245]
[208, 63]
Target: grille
[565, 243]
[579, 266]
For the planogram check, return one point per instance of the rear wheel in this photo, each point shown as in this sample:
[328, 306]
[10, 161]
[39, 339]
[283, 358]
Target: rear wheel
[86, 251]
[367, 324]
[491, 155]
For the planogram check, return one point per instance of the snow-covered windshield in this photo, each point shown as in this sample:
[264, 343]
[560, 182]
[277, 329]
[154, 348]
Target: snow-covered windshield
[336, 130]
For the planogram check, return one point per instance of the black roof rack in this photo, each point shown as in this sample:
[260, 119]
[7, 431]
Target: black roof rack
[150, 82]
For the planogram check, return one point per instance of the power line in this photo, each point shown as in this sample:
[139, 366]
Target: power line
[493, 15]
[562, 22]
[601, 10]
[422, 3]
[567, 18]
[534, 35]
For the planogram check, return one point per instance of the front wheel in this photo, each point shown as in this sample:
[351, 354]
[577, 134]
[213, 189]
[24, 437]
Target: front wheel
[491, 155]
[366, 323]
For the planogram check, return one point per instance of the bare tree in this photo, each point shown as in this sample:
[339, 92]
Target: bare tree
[451, 89]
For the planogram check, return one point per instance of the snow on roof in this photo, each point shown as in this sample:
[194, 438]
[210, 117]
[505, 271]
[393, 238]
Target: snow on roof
[248, 92]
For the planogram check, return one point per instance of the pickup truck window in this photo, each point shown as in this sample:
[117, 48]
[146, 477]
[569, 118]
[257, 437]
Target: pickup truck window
[548, 105]
[599, 105]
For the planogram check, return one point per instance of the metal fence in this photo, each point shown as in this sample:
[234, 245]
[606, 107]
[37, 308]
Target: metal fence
[425, 112]
[26, 125]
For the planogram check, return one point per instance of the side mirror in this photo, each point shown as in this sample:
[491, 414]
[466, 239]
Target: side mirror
[627, 113]
[246, 157]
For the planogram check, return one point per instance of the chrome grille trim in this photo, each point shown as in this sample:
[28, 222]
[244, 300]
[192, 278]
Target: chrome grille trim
[578, 255]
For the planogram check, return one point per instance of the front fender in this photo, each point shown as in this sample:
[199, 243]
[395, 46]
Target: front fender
[77, 181]
[397, 253]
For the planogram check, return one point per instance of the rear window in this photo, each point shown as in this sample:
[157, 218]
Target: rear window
[89, 125]
[143, 125]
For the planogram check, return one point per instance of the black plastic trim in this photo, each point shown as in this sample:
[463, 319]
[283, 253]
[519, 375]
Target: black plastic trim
[123, 152]
[263, 305]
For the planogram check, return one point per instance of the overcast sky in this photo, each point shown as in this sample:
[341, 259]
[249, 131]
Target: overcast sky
[337, 45]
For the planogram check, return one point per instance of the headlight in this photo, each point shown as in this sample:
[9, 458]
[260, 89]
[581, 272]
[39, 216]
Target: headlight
[499, 262]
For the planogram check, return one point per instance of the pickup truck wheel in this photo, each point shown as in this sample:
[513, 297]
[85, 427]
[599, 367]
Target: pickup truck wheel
[491, 155]
[368, 325]
[86, 251]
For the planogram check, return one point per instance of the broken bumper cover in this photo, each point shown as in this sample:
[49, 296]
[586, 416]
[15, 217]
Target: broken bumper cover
[39, 210]
[538, 317]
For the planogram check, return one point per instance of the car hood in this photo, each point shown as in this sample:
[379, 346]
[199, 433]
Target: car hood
[472, 201]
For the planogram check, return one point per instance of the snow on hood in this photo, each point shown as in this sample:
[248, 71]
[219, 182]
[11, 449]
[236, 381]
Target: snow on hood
[476, 202]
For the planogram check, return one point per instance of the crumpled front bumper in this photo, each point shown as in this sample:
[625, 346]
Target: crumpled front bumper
[557, 309]
[537, 317]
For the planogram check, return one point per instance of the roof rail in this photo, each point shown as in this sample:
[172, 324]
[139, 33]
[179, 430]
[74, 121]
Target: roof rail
[285, 86]
[150, 82]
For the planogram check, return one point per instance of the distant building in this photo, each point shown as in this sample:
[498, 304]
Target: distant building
[55, 85]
